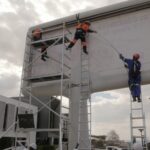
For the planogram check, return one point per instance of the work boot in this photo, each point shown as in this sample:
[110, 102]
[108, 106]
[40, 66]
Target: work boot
[68, 48]
[46, 56]
[85, 51]
[134, 99]
[139, 99]
[43, 58]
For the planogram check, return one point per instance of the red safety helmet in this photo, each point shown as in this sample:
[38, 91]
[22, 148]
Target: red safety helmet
[136, 56]
[36, 32]
[87, 22]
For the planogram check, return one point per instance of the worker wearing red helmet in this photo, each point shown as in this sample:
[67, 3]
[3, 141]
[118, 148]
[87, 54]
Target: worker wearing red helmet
[81, 30]
[36, 34]
[134, 75]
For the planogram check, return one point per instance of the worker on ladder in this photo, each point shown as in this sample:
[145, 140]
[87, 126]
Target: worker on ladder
[81, 30]
[134, 75]
[37, 35]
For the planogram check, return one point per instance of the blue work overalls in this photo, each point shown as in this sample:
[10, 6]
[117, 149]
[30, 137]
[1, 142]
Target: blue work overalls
[134, 81]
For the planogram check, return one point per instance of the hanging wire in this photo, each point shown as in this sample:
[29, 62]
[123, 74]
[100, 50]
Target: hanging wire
[108, 42]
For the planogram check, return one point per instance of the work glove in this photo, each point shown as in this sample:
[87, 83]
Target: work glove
[121, 56]
[125, 65]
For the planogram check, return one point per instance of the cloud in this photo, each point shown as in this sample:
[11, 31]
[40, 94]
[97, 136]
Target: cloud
[9, 78]
[14, 28]
[10, 84]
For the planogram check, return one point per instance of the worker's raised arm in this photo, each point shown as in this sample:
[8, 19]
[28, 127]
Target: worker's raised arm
[126, 61]
[91, 31]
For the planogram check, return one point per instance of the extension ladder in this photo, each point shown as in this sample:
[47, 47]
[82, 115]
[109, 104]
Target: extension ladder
[137, 124]
[84, 124]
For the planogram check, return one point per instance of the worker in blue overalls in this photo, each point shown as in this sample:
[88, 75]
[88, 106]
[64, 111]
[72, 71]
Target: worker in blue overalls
[134, 75]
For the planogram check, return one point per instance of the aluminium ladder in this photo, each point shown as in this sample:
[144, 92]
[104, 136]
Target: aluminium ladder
[84, 105]
[137, 124]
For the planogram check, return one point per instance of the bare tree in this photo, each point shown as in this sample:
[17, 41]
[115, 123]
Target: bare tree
[112, 138]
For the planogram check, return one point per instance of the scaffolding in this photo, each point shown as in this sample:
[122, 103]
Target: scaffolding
[29, 60]
[27, 94]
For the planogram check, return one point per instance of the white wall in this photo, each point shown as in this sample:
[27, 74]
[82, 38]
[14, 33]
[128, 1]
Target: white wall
[128, 33]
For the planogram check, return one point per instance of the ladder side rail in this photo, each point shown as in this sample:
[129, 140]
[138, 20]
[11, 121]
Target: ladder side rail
[145, 137]
[144, 125]
[79, 111]
[61, 90]
[85, 96]
[131, 123]
[90, 87]
[20, 92]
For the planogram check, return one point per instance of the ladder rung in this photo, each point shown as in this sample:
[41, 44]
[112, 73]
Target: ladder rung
[86, 64]
[84, 71]
[85, 113]
[138, 127]
[83, 131]
[138, 136]
[85, 80]
[85, 91]
[136, 108]
[84, 98]
[85, 84]
[84, 121]
[137, 117]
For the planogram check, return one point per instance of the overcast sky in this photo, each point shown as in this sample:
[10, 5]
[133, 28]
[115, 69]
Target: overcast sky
[110, 109]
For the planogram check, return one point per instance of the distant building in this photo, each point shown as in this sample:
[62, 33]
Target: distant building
[44, 120]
